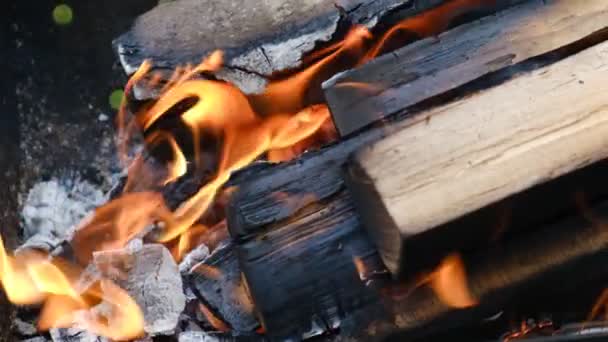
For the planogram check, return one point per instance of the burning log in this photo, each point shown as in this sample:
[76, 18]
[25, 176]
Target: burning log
[258, 39]
[552, 122]
[435, 65]
[272, 200]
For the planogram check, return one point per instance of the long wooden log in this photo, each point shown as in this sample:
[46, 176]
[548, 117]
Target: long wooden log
[258, 39]
[435, 65]
[458, 158]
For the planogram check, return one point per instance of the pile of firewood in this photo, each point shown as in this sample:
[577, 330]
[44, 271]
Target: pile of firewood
[469, 141]
[468, 178]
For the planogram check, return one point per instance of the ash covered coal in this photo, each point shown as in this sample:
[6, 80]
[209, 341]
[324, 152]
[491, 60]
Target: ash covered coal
[52, 208]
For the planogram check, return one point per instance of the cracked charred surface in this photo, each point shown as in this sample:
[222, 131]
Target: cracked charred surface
[258, 38]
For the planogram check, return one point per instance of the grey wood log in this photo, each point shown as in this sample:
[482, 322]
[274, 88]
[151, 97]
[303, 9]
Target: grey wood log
[438, 64]
[258, 38]
[455, 159]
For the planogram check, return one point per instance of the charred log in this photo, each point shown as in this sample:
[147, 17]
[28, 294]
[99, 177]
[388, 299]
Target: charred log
[271, 201]
[311, 263]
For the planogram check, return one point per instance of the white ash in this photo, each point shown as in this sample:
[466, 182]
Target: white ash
[24, 328]
[52, 208]
[74, 335]
[151, 277]
[197, 336]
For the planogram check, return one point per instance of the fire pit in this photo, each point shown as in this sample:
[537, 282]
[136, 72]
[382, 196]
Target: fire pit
[363, 170]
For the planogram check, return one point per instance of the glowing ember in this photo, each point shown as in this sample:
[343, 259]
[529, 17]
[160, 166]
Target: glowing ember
[526, 329]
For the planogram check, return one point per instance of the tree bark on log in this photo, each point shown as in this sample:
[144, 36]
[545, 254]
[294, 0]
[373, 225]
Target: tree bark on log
[438, 64]
[458, 158]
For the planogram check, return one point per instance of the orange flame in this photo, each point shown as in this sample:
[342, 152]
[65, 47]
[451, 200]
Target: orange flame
[117, 222]
[449, 281]
[427, 24]
[31, 278]
[280, 123]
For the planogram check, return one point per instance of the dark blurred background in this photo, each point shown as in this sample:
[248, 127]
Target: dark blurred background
[55, 113]
[59, 71]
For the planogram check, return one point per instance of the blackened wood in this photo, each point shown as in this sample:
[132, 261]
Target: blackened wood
[222, 290]
[458, 158]
[435, 65]
[303, 274]
[258, 38]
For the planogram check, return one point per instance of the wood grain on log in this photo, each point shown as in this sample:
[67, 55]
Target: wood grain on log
[310, 270]
[436, 65]
[455, 159]
[258, 38]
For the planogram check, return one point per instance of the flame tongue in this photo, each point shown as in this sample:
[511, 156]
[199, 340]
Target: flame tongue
[32, 278]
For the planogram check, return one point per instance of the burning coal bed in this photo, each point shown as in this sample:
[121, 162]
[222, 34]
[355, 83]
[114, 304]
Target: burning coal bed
[358, 171]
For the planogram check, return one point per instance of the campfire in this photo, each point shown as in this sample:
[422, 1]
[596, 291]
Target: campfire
[352, 171]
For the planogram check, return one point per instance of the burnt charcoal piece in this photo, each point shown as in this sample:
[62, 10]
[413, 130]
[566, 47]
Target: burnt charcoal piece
[74, 335]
